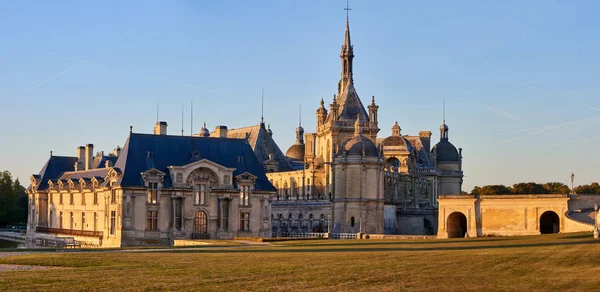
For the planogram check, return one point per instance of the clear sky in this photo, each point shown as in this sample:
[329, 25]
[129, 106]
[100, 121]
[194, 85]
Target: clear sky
[520, 78]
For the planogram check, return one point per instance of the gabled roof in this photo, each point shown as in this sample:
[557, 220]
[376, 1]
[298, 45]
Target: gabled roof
[54, 168]
[262, 144]
[144, 151]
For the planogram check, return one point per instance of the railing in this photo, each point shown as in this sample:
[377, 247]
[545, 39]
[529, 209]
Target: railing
[69, 231]
[304, 234]
[343, 236]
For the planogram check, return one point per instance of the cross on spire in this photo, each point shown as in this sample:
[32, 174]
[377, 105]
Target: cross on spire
[347, 8]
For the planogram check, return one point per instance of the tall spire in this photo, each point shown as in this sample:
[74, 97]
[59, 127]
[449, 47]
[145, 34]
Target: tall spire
[444, 127]
[346, 55]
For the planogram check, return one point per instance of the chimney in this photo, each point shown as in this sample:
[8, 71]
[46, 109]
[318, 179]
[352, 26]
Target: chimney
[426, 140]
[89, 156]
[117, 151]
[80, 165]
[160, 128]
[221, 131]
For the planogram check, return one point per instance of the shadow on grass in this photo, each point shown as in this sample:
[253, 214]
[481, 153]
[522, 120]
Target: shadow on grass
[379, 249]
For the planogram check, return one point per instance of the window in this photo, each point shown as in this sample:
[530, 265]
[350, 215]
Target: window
[225, 218]
[200, 222]
[201, 194]
[50, 221]
[113, 222]
[71, 222]
[351, 221]
[71, 199]
[51, 198]
[95, 221]
[152, 220]
[60, 199]
[152, 193]
[245, 195]
[82, 198]
[95, 198]
[60, 221]
[82, 220]
[245, 222]
[113, 196]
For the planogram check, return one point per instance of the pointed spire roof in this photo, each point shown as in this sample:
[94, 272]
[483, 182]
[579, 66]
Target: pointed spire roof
[347, 43]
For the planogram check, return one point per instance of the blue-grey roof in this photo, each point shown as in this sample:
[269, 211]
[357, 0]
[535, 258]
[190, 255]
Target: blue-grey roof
[54, 168]
[169, 150]
[100, 161]
[446, 152]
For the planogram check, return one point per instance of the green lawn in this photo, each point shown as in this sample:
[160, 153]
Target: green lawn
[549, 262]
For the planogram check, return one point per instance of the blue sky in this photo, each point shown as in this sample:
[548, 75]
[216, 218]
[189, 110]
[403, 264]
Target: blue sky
[520, 78]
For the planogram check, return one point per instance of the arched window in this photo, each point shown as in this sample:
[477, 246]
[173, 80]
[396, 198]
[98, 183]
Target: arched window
[322, 216]
[351, 221]
[200, 222]
[290, 216]
[311, 217]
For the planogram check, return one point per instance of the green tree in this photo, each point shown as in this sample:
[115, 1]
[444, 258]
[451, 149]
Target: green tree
[593, 188]
[493, 190]
[528, 188]
[556, 188]
[13, 200]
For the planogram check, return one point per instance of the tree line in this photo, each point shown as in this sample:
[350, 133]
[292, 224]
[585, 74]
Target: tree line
[13, 200]
[534, 188]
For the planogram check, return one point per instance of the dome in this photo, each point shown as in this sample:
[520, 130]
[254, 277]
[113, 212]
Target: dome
[204, 132]
[296, 152]
[446, 152]
[359, 144]
[397, 141]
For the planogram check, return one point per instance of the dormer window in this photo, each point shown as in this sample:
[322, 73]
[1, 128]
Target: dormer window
[152, 192]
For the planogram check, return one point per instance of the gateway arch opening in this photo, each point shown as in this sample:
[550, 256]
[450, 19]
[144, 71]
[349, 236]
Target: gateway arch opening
[457, 225]
[549, 223]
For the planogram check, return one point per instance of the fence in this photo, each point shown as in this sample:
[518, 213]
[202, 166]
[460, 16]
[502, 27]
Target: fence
[318, 235]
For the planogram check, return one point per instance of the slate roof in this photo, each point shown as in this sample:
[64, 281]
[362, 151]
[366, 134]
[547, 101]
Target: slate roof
[446, 152]
[169, 150]
[100, 161]
[350, 105]
[54, 168]
[262, 144]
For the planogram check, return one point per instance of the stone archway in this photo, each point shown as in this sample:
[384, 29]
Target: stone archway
[549, 223]
[456, 225]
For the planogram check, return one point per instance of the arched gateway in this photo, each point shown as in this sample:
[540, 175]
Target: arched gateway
[549, 223]
[457, 225]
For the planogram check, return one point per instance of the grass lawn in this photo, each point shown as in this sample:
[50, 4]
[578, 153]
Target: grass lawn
[549, 262]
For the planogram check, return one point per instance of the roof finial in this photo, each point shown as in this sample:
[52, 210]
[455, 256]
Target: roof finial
[444, 110]
[300, 115]
[262, 105]
[181, 119]
[130, 129]
[347, 9]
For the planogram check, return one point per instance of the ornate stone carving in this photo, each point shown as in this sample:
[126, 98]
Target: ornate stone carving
[203, 174]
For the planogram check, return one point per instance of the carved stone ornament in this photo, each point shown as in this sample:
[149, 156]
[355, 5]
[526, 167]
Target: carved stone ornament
[203, 174]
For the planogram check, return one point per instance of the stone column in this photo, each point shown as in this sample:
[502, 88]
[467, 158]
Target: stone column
[172, 213]
[182, 213]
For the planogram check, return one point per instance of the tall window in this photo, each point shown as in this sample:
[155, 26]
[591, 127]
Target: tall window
[95, 221]
[152, 220]
[200, 222]
[82, 220]
[82, 198]
[351, 221]
[245, 195]
[50, 221]
[71, 222]
[225, 222]
[153, 193]
[60, 199]
[60, 221]
[245, 222]
[113, 196]
[51, 198]
[201, 194]
[71, 201]
[95, 198]
[113, 222]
